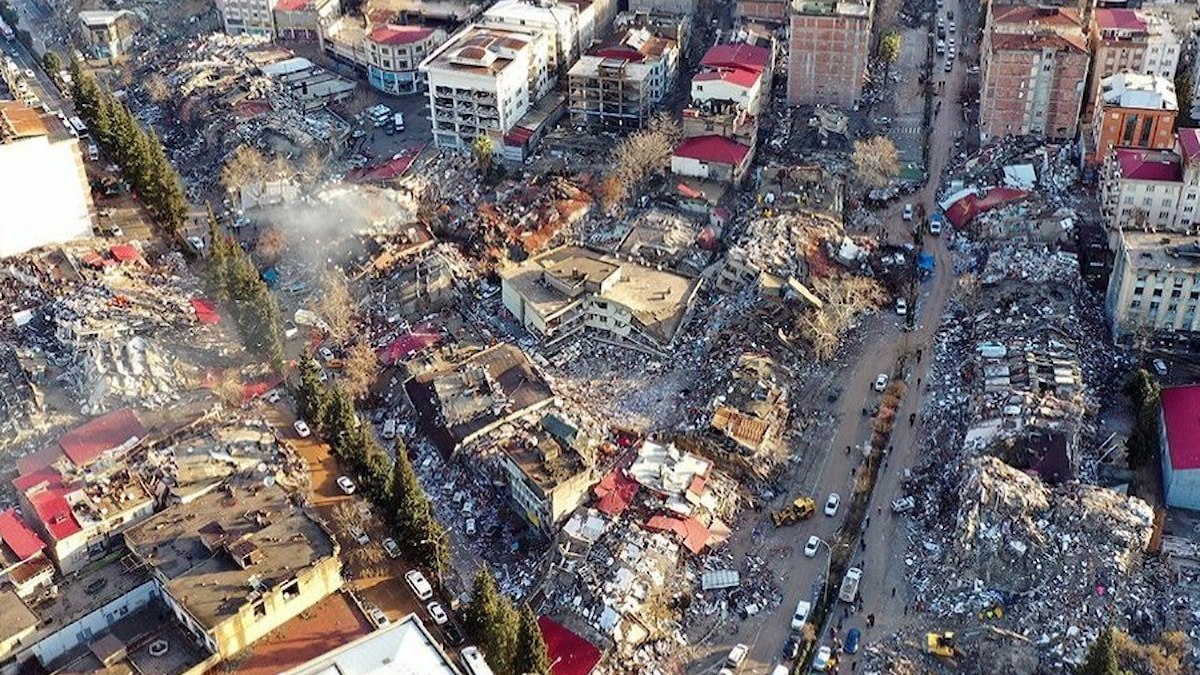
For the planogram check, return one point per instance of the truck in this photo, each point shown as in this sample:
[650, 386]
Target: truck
[849, 590]
[801, 508]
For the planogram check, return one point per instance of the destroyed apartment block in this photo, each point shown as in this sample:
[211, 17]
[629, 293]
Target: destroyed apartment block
[751, 415]
[660, 237]
[573, 290]
[803, 188]
[423, 285]
[778, 251]
[692, 496]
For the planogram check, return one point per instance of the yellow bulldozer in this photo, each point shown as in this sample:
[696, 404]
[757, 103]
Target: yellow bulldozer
[941, 644]
[801, 508]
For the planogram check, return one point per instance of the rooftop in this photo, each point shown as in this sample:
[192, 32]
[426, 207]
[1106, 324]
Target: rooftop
[1119, 19]
[483, 50]
[18, 538]
[391, 34]
[1181, 416]
[18, 120]
[405, 646]
[839, 7]
[1039, 41]
[1154, 165]
[223, 550]
[713, 149]
[86, 443]
[1037, 16]
[1189, 142]
[545, 461]
[96, 586]
[739, 76]
[1134, 90]
[1159, 251]
[748, 57]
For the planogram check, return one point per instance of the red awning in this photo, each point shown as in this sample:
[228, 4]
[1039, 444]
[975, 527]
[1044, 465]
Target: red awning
[693, 534]
[206, 312]
[616, 492]
[124, 252]
[569, 653]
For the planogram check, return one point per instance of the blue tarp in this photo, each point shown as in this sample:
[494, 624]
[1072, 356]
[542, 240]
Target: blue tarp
[270, 275]
[925, 261]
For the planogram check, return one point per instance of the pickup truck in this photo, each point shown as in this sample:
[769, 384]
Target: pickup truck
[849, 590]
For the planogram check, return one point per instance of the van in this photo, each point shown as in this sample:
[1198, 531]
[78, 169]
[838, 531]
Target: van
[398, 121]
[389, 429]
[473, 663]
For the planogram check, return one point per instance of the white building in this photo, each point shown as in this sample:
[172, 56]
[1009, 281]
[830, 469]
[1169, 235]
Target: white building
[1180, 439]
[1155, 284]
[558, 20]
[737, 74]
[248, 17]
[405, 644]
[483, 81]
[44, 192]
[394, 55]
[1152, 188]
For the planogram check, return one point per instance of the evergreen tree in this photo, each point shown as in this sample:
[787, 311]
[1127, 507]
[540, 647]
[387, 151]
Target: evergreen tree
[531, 654]
[409, 507]
[1101, 657]
[376, 472]
[494, 624]
[313, 397]
[340, 419]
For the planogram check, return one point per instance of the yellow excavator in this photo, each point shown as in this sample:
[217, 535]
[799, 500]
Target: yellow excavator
[801, 508]
[945, 644]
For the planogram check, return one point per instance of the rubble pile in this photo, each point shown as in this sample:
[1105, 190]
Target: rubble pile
[781, 245]
[112, 374]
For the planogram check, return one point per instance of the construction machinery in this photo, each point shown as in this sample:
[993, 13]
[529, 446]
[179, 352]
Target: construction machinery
[941, 644]
[801, 508]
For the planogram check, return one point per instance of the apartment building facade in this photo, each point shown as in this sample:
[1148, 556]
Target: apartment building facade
[1130, 40]
[394, 54]
[483, 80]
[1155, 285]
[1034, 62]
[736, 74]
[1133, 111]
[828, 47]
[621, 84]
[1152, 189]
[248, 17]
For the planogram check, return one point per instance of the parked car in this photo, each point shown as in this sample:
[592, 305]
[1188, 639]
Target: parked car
[301, 428]
[902, 504]
[880, 383]
[345, 484]
[791, 648]
[810, 549]
[437, 613]
[821, 660]
[832, 504]
[359, 535]
[737, 656]
[469, 527]
[800, 617]
[419, 584]
[272, 396]
[1160, 367]
[391, 548]
[852, 639]
[901, 307]
[453, 635]
[908, 208]
[326, 354]
[377, 616]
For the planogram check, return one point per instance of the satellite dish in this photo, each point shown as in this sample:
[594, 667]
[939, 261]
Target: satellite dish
[269, 481]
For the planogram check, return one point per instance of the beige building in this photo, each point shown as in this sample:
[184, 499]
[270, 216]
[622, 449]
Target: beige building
[547, 475]
[1152, 189]
[571, 289]
[238, 562]
[621, 84]
[1130, 40]
[829, 42]
[1155, 284]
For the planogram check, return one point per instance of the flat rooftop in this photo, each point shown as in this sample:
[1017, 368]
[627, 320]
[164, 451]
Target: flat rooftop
[1158, 251]
[406, 642]
[202, 548]
[99, 584]
[326, 627]
[483, 50]
[545, 461]
[839, 7]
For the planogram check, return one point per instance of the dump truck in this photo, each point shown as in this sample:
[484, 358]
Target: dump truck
[940, 644]
[849, 590]
[801, 508]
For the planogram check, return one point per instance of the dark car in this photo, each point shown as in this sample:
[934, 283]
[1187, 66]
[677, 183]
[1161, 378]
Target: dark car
[791, 649]
[453, 635]
[852, 639]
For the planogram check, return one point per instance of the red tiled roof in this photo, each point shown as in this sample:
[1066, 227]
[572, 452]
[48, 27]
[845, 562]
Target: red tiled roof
[693, 534]
[569, 653]
[47, 475]
[740, 76]
[85, 443]
[399, 35]
[714, 150]
[616, 492]
[736, 56]
[1119, 19]
[385, 171]
[1148, 165]
[17, 535]
[1189, 142]
[55, 513]
[124, 252]
[206, 312]
[1181, 416]
[620, 52]
[1036, 16]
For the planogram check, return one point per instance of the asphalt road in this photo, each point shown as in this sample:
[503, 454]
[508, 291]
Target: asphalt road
[42, 85]
[882, 560]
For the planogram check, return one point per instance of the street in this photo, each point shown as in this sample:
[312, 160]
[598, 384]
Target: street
[882, 561]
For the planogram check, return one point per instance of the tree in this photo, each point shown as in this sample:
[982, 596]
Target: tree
[876, 161]
[359, 369]
[51, 63]
[1184, 92]
[1101, 657]
[1144, 395]
[844, 299]
[246, 166]
[889, 46]
[312, 395]
[408, 509]
[336, 305]
[484, 150]
[492, 621]
[271, 244]
[531, 653]
[641, 155]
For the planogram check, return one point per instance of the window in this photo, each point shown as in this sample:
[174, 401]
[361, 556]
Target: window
[1166, 202]
[292, 590]
[1147, 201]
[260, 610]
[1157, 293]
[1138, 290]
[1135, 304]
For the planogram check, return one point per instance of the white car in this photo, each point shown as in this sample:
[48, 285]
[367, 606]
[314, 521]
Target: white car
[469, 527]
[391, 548]
[832, 504]
[196, 243]
[821, 660]
[803, 608]
[935, 227]
[377, 617]
[301, 428]
[810, 549]
[437, 613]
[737, 655]
[901, 306]
[326, 354]
[345, 484]
[1160, 367]
[359, 535]
[880, 383]
[30, 74]
[908, 208]
[272, 396]
[419, 584]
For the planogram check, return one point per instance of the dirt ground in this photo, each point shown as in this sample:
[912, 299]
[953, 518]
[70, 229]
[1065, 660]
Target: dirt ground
[328, 625]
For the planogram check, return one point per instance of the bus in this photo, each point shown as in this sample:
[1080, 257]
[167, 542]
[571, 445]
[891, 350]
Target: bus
[78, 125]
[473, 661]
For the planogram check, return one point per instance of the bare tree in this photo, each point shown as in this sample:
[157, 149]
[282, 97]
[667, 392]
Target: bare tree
[229, 389]
[876, 161]
[312, 166]
[156, 87]
[246, 166]
[337, 305]
[639, 156]
[359, 369]
[845, 299]
[271, 244]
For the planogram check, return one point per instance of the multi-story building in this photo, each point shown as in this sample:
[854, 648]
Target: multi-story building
[304, 19]
[571, 289]
[1130, 40]
[394, 55]
[678, 7]
[108, 34]
[1155, 284]
[1034, 62]
[43, 186]
[1152, 189]
[829, 42]
[483, 80]
[406, 642]
[1133, 111]
[571, 27]
[733, 74]
[773, 12]
[712, 157]
[237, 562]
[248, 17]
[620, 85]
[547, 476]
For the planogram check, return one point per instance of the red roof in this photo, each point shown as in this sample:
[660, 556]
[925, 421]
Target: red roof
[693, 534]
[616, 492]
[714, 150]
[569, 653]
[1048, 17]
[85, 443]
[689, 191]
[1181, 416]
[206, 312]
[399, 35]
[740, 76]
[290, 5]
[389, 170]
[422, 336]
[124, 252]
[1149, 165]
[55, 513]
[38, 460]
[1189, 143]
[739, 55]
[253, 390]
[620, 52]
[964, 210]
[17, 535]
[1119, 19]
